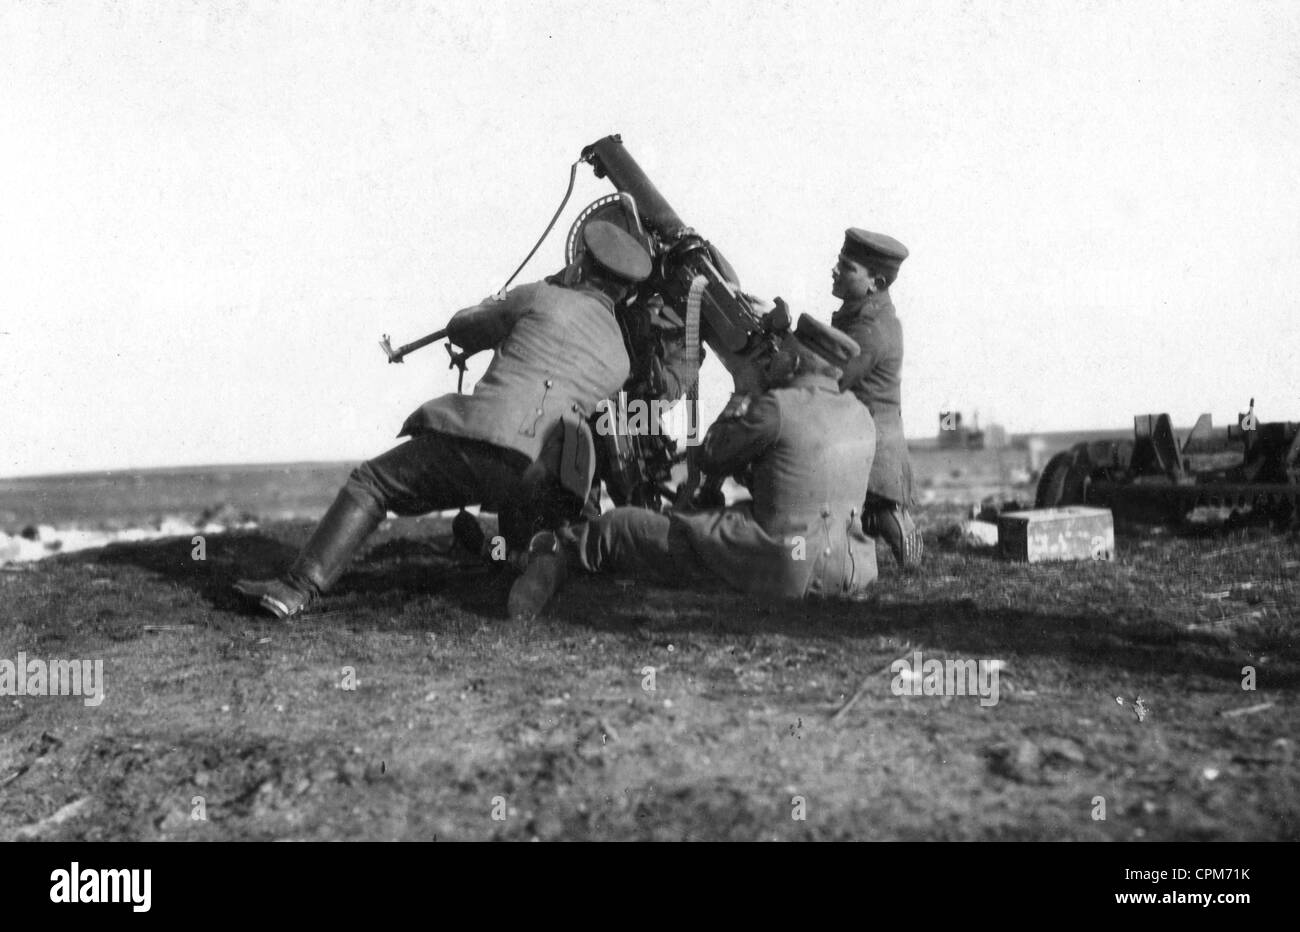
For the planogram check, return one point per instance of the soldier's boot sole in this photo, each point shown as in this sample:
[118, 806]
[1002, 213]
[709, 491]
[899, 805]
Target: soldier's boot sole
[899, 531]
[913, 545]
[544, 574]
[276, 596]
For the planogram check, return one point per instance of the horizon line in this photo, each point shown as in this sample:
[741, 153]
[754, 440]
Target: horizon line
[282, 464]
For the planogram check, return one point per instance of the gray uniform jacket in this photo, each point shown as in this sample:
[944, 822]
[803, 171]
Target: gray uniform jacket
[806, 445]
[558, 351]
[875, 377]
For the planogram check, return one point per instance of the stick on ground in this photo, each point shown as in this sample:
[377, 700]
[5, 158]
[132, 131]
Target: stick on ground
[838, 717]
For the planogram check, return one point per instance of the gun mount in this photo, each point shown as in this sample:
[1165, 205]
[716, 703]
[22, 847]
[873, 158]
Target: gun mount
[697, 287]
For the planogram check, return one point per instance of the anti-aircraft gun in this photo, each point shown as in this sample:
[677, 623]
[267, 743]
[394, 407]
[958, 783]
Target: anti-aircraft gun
[698, 287]
[692, 289]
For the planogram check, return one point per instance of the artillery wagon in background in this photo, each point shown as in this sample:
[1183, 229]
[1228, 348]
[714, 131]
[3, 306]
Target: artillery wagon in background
[1252, 468]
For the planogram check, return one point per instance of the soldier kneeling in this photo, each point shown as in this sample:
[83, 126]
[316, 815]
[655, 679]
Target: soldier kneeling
[801, 444]
[557, 350]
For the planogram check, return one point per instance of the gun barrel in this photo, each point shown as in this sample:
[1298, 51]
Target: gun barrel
[611, 159]
[730, 326]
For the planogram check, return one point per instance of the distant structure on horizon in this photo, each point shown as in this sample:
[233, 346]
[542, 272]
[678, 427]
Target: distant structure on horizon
[954, 435]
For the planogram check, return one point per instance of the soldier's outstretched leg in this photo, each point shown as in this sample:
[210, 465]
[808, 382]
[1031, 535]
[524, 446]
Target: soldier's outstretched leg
[349, 521]
[626, 540]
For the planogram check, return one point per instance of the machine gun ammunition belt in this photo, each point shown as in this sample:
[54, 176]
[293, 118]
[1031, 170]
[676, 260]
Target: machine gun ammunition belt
[692, 374]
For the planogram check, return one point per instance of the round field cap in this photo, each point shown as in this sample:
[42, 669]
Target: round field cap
[876, 250]
[830, 344]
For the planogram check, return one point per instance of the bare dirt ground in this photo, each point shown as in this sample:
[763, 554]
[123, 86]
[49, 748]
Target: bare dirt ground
[464, 725]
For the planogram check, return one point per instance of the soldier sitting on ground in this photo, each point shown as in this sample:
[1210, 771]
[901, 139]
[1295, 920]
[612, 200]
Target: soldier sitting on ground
[802, 445]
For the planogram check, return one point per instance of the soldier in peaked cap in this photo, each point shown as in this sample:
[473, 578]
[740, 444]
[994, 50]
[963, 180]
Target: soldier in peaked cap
[868, 264]
[616, 251]
[801, 445]
[557, 350]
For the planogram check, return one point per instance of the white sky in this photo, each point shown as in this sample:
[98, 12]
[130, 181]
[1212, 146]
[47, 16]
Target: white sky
[211, 211]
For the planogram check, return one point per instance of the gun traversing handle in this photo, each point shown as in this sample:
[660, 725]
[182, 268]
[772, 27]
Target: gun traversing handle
[396, 355]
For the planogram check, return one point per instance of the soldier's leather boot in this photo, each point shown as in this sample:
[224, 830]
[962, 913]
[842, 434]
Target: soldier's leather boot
[547, 568]
[895, 525]
[344, 528]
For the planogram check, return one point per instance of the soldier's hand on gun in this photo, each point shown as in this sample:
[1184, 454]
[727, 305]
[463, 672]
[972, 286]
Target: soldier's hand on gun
[661, 315]
[736, 406]
[709, 497]
[779, 318]
[775, 313]
[760, 305]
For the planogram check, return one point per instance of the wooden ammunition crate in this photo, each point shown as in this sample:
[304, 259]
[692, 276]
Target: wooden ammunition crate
[1046, 534]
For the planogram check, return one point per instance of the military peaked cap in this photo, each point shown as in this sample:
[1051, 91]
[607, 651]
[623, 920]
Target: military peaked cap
[616, 251]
